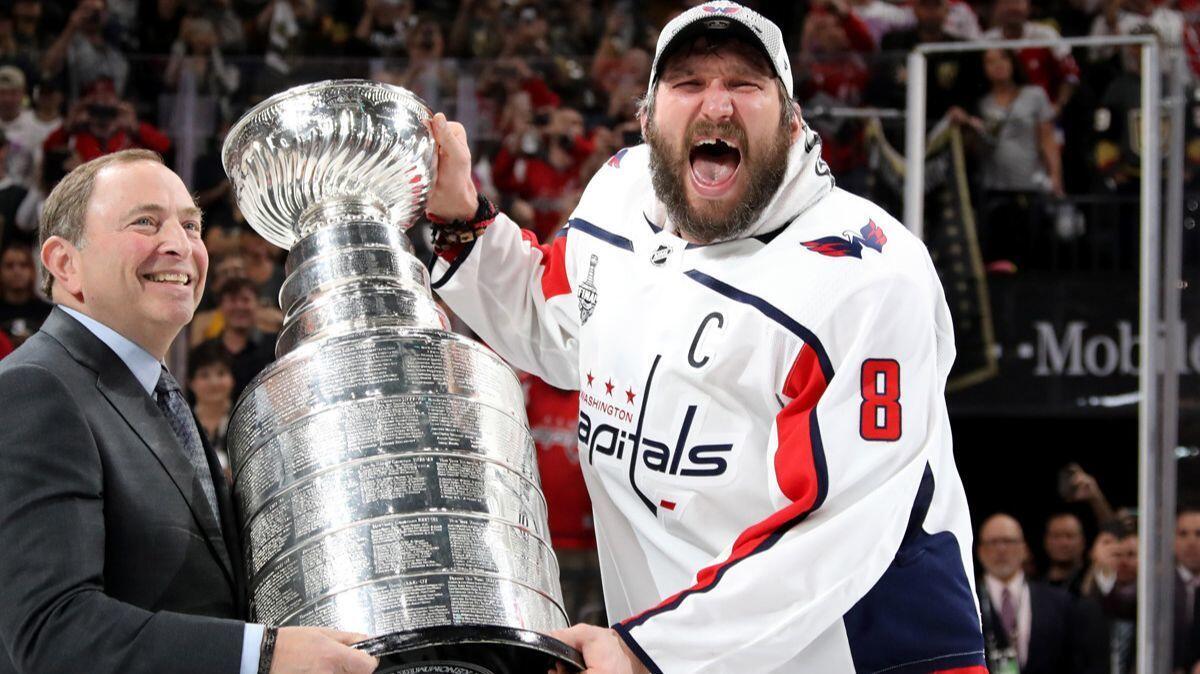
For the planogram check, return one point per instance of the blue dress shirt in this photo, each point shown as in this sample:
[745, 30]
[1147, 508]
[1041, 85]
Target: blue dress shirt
[146, 369]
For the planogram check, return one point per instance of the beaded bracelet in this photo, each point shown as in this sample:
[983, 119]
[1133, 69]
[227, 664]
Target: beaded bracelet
[266, 652]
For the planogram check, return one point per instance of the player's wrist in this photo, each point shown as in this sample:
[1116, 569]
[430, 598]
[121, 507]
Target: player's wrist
[450, 237]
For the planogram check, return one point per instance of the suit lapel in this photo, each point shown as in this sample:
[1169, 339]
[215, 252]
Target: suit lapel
[118, 385]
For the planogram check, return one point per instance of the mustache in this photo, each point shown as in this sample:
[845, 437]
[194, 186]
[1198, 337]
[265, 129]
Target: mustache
[725, 129]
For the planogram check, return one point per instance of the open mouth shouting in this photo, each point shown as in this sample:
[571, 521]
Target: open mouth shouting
[715, 161]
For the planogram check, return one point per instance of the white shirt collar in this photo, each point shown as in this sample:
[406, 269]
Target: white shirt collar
[145, 367]
[1186, 576]
[1015, 585]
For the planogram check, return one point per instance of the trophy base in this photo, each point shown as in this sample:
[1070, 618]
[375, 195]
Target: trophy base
[470, 649]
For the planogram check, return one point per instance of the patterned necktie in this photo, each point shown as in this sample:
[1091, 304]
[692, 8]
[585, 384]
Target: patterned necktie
[1008, 616]
[175, 409]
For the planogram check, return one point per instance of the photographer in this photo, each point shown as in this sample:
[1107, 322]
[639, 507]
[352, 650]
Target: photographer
[101, 123]
[86, 53]
[540, 163]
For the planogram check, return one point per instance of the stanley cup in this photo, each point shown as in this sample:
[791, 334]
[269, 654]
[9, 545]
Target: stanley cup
[383, 467]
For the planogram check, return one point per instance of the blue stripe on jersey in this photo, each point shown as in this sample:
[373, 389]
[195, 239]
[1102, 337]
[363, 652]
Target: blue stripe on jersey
[604, 235]
[637, 649]
[771, 312]
[921, 615]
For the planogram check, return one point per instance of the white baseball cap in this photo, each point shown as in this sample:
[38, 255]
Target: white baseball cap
[722, 15]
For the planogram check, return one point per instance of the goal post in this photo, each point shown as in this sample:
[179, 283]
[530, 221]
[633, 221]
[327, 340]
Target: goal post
[1159, 308]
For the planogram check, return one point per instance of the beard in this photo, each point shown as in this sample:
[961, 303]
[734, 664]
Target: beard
[670, 167]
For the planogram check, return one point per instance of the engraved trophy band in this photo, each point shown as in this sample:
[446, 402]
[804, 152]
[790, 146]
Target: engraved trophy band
[384, 472]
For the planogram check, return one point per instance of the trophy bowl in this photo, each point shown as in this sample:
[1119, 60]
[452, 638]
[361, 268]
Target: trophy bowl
[384, 471]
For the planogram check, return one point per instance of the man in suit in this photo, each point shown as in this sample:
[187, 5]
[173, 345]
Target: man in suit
[1187, 580]
[120, 553]
[1045, 628]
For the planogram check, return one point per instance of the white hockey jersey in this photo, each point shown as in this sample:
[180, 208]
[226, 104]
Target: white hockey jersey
[762, 423]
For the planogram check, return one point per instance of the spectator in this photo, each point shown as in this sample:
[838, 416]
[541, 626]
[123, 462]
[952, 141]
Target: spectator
[1077, 486]
[1112, 581]
[1137, 17]
[158, 24]
[85, 53]
[10, 53]
[834, 49]
[21, 310]
[1042, 628]
[1021, 161]
[249, 349]
[286, 24]
[203, 84]
[1065, 547]
[210, 380]
[428, 75]
[542, 165]
[42, 120]
[27, 29]
[554, 422]
[101, 123]
[231, 32]
[1187, 579]
[953, 79]
[12, 193]
[262, 267]
[1052, 69]
[384, 27]
[478, 30]
[19, 126]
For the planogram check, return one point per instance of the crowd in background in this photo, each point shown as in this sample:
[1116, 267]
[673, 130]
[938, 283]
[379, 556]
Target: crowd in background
[548, 91]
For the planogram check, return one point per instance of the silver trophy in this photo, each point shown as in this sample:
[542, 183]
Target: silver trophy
[384, 470]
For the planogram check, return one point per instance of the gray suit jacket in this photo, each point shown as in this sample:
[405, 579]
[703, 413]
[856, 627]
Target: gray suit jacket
[110, 558]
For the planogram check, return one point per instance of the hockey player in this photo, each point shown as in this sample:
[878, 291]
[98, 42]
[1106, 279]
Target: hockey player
[761, 360]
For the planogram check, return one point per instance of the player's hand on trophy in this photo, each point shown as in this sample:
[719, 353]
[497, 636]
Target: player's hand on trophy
[453, 195]
[316, 650]
[603, 651]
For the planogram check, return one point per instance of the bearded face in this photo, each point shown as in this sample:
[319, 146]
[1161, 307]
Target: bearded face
[719, 137]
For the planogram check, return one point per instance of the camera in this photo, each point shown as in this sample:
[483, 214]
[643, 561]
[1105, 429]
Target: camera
[102, 112]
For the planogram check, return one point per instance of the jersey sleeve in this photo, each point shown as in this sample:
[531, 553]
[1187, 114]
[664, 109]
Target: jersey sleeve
[516, 295]
[849, 450]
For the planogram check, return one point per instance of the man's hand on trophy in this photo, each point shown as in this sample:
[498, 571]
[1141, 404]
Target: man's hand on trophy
[453, 196]
[457, 212]
[604, 652]
[316, 650]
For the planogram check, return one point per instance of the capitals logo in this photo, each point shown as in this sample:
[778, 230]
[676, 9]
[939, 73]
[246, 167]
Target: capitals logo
[850, 244]
[615, 160]
[716, 9]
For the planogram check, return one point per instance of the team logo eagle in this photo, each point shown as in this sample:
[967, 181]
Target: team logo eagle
[850, 244]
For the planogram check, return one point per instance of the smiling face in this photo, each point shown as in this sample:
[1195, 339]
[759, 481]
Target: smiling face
[141, 266]
[719, 138]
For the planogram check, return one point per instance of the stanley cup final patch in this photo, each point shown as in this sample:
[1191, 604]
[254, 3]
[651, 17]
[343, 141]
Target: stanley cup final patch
[587, 293]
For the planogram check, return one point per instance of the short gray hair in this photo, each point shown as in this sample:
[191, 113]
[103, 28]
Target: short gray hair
[66, 208]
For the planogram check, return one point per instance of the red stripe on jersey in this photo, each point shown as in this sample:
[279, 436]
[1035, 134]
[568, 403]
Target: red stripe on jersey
[977, 669]
[554, 264]
[796, 469]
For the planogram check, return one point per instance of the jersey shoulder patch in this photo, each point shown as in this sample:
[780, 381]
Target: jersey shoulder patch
[850, 243]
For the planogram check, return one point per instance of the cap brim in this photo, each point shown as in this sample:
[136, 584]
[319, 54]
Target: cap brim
[703, 26]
